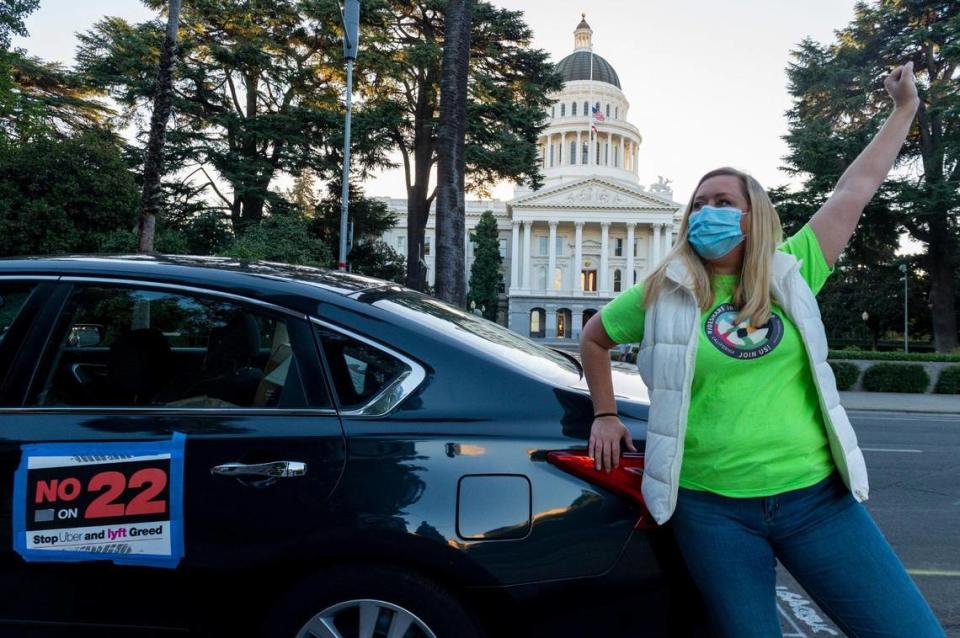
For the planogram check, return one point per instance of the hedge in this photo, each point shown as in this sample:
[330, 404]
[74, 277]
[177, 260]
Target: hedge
[893, 377]
[846, 374]
[870, 355]
[949, 381]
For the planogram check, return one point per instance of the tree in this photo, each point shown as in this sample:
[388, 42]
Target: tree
[485, 274]
[369, 219]
[839, 103]
[152, 164]
[12, 15]
[508, 89]
[451, 162]
[256, 95]
[64, 195]
[37, 97]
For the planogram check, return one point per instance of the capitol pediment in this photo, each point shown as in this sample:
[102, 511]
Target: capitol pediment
[596, 194]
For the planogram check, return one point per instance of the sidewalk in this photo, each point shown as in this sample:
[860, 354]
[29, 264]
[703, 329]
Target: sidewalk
[901, 402]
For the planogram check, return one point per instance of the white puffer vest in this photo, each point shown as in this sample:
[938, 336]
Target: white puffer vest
[666, 363]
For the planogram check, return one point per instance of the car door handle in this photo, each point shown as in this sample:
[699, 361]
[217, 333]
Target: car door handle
[277, 469]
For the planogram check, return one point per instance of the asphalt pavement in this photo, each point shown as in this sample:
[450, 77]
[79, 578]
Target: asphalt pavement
[913, 462]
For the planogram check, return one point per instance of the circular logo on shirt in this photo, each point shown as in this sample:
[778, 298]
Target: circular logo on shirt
[741, 340]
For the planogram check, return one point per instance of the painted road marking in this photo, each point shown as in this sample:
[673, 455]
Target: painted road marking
[804, 611]
[891, 449]
[934, 572]
[866, 416]
[796, 633]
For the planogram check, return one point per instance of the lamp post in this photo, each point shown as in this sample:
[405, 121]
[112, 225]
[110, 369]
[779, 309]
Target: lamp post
[903, 269]
[351, 34]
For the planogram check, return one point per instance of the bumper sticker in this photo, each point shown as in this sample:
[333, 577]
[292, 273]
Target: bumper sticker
[100, 501]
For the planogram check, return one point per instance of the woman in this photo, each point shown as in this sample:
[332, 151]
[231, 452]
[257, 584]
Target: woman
[748, 451]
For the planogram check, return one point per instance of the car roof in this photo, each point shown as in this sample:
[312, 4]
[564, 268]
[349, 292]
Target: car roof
[259, 279]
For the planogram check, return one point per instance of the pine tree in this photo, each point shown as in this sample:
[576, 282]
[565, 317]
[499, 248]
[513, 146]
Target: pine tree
[485, 275]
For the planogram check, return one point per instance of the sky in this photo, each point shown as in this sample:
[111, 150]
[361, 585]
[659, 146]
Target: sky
[705, 79]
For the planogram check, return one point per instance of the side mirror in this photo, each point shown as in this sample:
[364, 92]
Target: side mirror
[85, 335]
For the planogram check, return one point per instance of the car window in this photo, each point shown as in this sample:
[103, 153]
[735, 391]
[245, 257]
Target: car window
[125, 347]
[484, 335]
[363, 376]
[13, 298]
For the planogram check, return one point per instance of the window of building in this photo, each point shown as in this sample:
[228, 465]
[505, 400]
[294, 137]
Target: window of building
[563, 323]
[541, 278]
[618, 247]
[616, 113]
[588, 280]
[559, 246]
[573, 109]
[402, 244]
[598, 152]
[553, 111]
[130, 347]
[503, 248]
[551, 155]
[427, 242]
[537, 322]
[542, 245]
[584, 153]
[606, 154]
[617, 280]
[573, 152]
[563, 109]
[557, 279]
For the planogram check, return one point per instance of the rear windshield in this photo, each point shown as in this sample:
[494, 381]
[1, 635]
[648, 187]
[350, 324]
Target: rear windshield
[482, 334]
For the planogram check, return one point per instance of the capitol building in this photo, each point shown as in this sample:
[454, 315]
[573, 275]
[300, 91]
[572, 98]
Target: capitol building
[591, 230]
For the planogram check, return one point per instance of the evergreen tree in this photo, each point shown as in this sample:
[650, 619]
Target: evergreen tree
[485, 273]
[839, 104]
[507, 90]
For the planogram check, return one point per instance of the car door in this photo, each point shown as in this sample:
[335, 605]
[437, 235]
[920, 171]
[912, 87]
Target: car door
[173, 437]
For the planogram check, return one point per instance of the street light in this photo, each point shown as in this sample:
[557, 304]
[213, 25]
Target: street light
[350, 16]
[903, 269]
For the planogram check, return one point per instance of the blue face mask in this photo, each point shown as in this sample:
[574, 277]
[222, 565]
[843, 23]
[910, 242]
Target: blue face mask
[714, 232]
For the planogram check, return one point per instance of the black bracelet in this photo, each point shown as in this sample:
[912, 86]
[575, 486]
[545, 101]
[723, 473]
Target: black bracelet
[597, 416]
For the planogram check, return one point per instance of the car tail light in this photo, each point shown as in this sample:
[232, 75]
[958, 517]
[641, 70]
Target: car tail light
[623, 480]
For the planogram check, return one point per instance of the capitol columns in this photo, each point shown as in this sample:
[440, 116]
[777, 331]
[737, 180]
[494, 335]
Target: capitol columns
[627, 281]
[552, 255]
[604, 256]
[578, 259]
[527, 230]
[657, 244]
[515, 256]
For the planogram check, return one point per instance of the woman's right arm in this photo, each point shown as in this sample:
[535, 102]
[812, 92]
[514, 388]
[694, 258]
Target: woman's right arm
[606, 432]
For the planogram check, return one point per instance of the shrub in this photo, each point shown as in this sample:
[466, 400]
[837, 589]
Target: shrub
[949, 381]
[894, 377]
[846, 374]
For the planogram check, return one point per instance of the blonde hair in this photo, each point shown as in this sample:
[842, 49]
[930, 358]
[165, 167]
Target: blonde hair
[752, 294]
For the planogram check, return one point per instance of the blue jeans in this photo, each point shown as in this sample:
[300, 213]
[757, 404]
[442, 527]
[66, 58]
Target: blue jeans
[824, 538]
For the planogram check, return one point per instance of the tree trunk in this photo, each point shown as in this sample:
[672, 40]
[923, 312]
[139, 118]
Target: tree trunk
[942, 266]
[451, 163]
[153, 163]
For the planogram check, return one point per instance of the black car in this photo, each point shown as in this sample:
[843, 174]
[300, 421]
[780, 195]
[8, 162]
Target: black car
[222, 448]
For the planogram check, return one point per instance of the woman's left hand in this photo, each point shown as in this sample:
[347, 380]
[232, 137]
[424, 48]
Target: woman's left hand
[902, 86]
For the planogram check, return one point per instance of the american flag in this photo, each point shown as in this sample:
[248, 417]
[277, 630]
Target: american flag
[597, 115]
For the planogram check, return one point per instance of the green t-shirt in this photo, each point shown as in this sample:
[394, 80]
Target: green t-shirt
[754, 426]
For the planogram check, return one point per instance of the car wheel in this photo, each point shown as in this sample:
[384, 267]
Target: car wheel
[364, 601]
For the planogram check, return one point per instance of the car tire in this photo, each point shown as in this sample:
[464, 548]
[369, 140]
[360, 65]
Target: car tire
[387, 593]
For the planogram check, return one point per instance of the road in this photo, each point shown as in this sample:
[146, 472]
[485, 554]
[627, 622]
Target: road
[914, 465]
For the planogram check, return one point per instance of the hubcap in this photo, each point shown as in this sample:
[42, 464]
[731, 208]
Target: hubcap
[365, 618]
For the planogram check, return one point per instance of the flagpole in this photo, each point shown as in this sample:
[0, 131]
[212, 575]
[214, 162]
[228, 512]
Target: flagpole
[590, 112]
